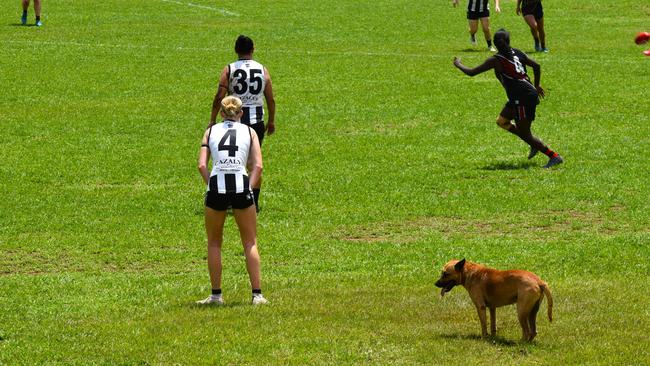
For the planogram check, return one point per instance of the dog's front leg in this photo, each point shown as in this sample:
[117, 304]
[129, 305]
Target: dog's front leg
[481, 315]
[493, 321]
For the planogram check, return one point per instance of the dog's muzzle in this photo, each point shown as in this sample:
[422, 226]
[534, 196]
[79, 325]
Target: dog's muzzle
[445, 286]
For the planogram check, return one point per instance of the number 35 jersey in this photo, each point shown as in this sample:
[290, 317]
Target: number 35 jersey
[512, 75]
[229, 144]
[247, 82]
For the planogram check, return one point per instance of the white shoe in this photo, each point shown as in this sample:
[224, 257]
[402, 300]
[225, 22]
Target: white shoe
[492, 49]
[212, 299]
[259, 300]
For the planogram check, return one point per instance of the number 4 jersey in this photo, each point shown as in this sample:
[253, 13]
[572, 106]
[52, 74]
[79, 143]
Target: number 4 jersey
[246, 81]
[229, 144]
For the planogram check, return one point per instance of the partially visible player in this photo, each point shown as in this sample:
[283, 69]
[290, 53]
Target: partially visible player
[37, 11]
[509, 66]
[250, 81]
[236, 165]
[533, 14]
[480, 10]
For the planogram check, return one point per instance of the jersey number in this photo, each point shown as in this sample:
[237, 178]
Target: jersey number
[232, 147]
[518, 66]
[244, 83]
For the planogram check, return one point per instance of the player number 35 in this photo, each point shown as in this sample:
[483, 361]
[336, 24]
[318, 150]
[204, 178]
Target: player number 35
[243, 83]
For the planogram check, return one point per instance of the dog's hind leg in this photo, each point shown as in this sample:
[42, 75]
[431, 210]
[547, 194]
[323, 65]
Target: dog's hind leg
[523, 311]
[493, 320]
[532, 318]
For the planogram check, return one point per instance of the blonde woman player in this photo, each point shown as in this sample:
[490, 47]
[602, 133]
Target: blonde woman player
[236, 167]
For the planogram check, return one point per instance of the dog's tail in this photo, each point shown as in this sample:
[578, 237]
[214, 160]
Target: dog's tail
[546, 291]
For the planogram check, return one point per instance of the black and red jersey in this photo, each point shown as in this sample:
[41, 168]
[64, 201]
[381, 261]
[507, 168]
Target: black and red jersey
[511, 72]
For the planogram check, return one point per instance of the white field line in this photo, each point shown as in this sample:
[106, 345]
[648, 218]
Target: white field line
[220, 10]
[570, 59]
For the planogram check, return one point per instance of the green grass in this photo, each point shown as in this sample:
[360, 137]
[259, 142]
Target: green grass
[387, 162]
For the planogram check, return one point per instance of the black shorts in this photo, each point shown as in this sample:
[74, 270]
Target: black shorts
[533, 8]
[260, 130]
[223, 201]
[474, 15]
[519, 112]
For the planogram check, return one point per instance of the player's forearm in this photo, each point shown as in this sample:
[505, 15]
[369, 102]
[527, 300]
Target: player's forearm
[270, 105]
[255, 175]
[203, 170]
[537, 75]
[466, 70]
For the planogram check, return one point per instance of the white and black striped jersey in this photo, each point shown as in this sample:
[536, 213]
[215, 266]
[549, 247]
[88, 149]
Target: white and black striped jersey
[478, 6]
[229, 144]
[246, 81]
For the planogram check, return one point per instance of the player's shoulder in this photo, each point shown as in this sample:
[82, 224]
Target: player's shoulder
[519, 53]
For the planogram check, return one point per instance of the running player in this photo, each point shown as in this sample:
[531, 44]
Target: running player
[533, 14]
[37, 11]
[236, 165]
[248, 80]
[509, 66]
[480, 10]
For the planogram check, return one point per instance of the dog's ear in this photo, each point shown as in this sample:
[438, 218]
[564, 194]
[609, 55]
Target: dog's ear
[460, 265]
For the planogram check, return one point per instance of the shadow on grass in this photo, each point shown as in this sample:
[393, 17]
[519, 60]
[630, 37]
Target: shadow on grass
[509, 166]
[471, 49]
[21, 25]
[227, 305]
[495, 340]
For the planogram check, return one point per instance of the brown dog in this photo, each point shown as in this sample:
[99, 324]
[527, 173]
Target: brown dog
[491, 288]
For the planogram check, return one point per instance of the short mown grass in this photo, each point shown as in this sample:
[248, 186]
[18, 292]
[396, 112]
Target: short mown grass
[386, 164]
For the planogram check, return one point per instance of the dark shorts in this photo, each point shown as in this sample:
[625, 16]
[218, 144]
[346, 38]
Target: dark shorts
[474, 15]
[533, 8]
[260, 130]
[223, 201]
[519, 112]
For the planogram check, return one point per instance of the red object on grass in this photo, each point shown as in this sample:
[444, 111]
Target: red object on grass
[642, 38]
[646, 52]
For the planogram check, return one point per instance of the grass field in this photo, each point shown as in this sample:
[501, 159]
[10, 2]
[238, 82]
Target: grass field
[386, 163]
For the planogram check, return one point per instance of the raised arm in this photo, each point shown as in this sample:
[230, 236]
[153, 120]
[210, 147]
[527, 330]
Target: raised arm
[204, 157]
[485, 66]
[222, 90]
[254, 163]
[270, 103]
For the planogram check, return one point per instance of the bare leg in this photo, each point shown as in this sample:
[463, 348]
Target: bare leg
[37, 8]
[532, 24]
[25, 5]
[247, 222]
[473, 27]
[524, 133]
[485, 24]
[214, 221]
[541, 32]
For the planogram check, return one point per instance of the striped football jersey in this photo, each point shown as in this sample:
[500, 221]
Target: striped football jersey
[229, 144]
[246, 81]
